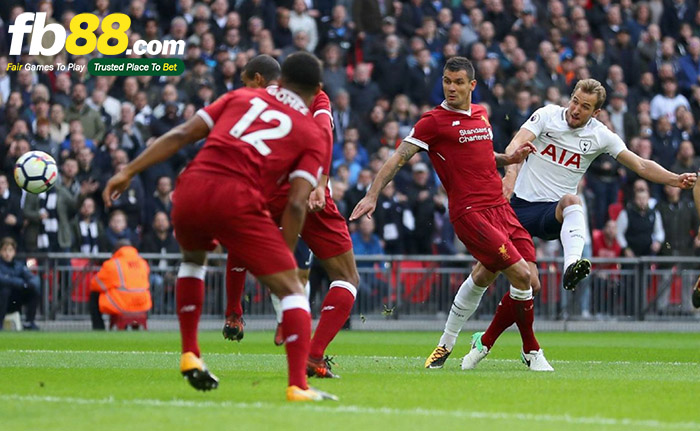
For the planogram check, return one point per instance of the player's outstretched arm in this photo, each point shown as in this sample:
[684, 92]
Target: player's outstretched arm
[295, 211]
[523, 136]
[162, 148]
[652, 171]
[517, 157]
[387, 173]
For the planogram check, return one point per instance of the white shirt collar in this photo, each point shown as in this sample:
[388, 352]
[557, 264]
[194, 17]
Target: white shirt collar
[461, 111]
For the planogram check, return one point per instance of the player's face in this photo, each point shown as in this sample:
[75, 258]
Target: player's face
[458, 89]
[581, 109]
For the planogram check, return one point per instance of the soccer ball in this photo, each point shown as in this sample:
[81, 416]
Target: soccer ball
[36, 172]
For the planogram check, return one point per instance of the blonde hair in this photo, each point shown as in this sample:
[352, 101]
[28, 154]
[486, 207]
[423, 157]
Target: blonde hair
[592, 86]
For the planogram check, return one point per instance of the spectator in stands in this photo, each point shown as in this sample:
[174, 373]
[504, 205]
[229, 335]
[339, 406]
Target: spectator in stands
[363, 92]
[121, 286]
[389, 219]
[160, 240]
[664, 105]
[42, 138]
[58, 127]
[358, 190]
[11, 219]
[422, 206]
[680, 223]
[366, 242]
[665, 142]
[300, 20]
[350, 161]
[87, 228]
[68, 194]
[421, 78]
[93, 127]
[18, 285]
[640, 229]
[161, 199]
[117, 229]
[344, 116]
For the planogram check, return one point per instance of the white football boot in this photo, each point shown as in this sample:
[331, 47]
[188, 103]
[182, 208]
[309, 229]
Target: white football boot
[476, 354]
[536, 361]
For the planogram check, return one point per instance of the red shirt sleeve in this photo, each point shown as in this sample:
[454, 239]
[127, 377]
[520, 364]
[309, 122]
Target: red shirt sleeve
[323, 117]
[310, 163]
[423, 133]
[212, 113]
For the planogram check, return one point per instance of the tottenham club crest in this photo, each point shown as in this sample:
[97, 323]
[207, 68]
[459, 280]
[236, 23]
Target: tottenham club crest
[585, 145]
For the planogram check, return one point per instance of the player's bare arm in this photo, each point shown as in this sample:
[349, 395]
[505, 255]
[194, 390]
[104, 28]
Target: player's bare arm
[522, 137]
[402, 155]
[516, 157]
[652, 171]
[163, 148]
[295, 211]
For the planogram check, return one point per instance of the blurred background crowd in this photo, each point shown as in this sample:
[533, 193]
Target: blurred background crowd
[382, 63]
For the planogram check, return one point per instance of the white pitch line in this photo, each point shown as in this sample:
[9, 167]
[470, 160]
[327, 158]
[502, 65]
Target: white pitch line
[141, 352]
[316, 408]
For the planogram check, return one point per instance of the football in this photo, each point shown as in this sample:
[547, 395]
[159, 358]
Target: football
[36, 172]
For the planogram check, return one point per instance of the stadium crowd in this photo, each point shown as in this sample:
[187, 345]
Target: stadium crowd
[382, 63]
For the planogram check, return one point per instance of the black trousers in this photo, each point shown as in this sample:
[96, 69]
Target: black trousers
[12, 300]
[98, 324]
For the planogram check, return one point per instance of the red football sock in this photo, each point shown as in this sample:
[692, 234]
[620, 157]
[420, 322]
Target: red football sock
[189, 296]
[296, 329]
[501, 321]
[235, 285]
[524, 314]
[335, 311]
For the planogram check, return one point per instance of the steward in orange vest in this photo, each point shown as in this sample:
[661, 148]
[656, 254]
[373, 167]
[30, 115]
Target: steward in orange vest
[122, 285]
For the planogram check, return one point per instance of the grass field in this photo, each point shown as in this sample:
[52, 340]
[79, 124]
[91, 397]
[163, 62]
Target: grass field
[130, 381]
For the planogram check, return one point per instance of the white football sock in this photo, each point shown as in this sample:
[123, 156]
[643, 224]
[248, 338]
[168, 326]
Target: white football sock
[572, 234]
[277, 306]
[464, 305]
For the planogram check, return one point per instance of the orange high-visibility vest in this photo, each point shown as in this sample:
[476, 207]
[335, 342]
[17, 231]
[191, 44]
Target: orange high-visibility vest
[123, 283]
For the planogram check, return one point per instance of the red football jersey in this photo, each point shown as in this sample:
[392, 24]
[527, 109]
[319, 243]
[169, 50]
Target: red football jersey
[264, 137]
[323, 119]
[460, 145]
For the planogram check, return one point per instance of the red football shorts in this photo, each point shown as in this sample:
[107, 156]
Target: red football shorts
[209, 208]
[325, 231]
[495, 237]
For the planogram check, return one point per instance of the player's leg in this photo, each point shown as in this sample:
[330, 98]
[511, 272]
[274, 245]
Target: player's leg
[189, 296]
[235, 285]
[464, 305]
[296, 328]
[531, 355]
[335, 310]
[569, 212]
[303, 258]
[258, 244]
[326, 232]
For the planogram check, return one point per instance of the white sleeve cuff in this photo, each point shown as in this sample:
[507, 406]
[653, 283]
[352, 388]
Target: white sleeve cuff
[416, 142]
[327, 112]
[305, 175]
[207, 119]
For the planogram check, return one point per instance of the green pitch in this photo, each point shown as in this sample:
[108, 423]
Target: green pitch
[131, 381]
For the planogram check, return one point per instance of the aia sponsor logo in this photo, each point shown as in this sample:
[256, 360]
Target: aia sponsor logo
[562, 157]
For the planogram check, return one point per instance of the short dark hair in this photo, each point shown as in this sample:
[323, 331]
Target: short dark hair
[265, 65]
[455, 64]
[8, 240]
[302, 71]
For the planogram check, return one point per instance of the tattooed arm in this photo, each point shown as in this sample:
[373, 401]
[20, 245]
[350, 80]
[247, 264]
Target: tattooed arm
[402, 155]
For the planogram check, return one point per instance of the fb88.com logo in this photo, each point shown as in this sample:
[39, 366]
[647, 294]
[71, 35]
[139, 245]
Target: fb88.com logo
[114, 26]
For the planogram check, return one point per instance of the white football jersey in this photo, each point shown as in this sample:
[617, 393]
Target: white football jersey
[563, 154]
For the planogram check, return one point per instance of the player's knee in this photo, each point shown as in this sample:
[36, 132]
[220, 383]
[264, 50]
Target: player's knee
[569, 200]
[521, 278]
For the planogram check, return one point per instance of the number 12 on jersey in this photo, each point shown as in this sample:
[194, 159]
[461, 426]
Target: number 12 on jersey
[257, 139]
